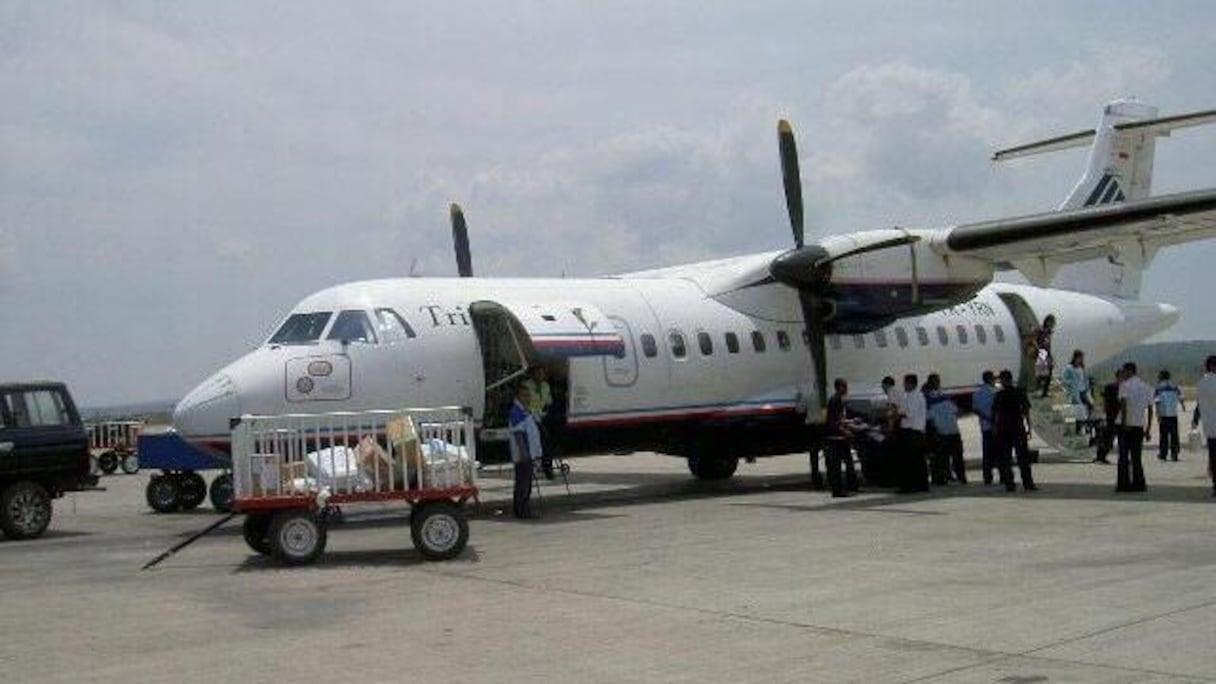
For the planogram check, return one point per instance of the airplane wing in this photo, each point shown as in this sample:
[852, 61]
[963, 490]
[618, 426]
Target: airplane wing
[1038, 244]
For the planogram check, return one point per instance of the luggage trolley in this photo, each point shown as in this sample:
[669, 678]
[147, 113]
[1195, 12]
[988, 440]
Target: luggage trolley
[291, 472]
[112, 445]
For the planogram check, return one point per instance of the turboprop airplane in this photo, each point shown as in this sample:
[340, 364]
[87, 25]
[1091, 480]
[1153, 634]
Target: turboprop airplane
[721, 359]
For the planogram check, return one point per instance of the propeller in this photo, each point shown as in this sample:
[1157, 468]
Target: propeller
[460, 238]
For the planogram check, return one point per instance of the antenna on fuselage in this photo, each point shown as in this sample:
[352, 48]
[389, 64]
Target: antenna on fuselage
[460, 239]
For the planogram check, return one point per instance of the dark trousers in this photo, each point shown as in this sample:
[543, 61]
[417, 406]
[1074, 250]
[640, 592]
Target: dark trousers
[1212, 462]
[837, 453]
[987, 455]
[1167, 437]
[950, 449]
[1106, 438]
[1007, 447]
[521, 503]
[1130, 466]
[913, 470]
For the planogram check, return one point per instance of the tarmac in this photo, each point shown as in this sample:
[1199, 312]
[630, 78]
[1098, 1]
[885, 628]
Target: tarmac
[641, 575]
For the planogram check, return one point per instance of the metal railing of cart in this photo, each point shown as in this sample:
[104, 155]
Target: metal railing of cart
[328, 459]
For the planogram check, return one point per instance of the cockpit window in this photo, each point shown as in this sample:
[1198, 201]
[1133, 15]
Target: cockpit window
[301, 328]
[352, 326]
[392, 327]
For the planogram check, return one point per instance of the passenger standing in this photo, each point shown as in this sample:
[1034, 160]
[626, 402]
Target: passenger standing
[1011, 418]
[1042, 343]
[1076, 385]
[981, 403]
[1205, 411]
[912, 439]
[939, 463]
[1136, 412]
[948, 447]
[1110, 413]
[1169, 401]
[839, 436]
[526, 447]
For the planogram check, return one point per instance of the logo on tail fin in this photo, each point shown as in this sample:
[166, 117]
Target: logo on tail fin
[1106, 191]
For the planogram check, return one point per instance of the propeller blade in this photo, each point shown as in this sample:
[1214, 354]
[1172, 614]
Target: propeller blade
[791, 178]
[460, 238]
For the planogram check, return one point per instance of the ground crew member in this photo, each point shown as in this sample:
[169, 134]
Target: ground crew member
[912, 439]
[1168, 399]
[1205, 410]
[526, 448]
[540, 403]
[1011, 427]
[1136, 411]
[839, 437]
[1110, 412]
[981, 403]
[948, 443]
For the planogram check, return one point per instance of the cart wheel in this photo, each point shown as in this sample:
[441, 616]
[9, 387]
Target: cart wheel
[162, 494]
[130, 464]
[221, 493]
[296, 537]
[108, 462]
[440, 530]
[256, 529]
[191, 490]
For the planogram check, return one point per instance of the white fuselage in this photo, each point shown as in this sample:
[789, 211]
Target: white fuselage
[638, 395]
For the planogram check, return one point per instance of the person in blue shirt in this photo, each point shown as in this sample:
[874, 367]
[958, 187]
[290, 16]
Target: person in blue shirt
[525, 449]
[981, 403]
[1168, 399]
[948, 443]
[1076, 386]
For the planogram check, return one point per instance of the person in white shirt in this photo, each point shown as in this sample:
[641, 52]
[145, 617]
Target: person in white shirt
[1205, 411]
[913, 468]
[1136, 408]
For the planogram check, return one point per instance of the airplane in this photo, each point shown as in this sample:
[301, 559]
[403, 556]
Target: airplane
[730, 358]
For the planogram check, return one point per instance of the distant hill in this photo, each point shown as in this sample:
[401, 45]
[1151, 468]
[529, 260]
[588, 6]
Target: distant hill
[1184, 361]
[160, 412]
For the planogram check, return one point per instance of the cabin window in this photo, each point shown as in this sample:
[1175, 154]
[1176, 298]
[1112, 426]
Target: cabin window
[981, 335]
[901, 336]
[962, 333]
[758, 341]
[880, 337]
[678, 349]
[834, 342]
[922, 336]
[706, 343]
[352, 326]
[732, 343]
[301, 328]
[392, 327]
[783, 340]
[999, 333]
[859, 341]
[943, 337]
[649, 348]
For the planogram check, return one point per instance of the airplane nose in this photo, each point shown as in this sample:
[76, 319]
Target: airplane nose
[208, 408]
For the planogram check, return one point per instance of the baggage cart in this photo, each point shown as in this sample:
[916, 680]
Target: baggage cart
[291, 472]
[112, 445]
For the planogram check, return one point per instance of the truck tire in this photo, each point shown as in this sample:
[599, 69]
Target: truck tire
[25, 510]
[108, 462]
[130, 464]
[297, 537]
[191, 490]
[162, 493]
[221, 493]
[439, 529]
[715, 467]
[257, 530]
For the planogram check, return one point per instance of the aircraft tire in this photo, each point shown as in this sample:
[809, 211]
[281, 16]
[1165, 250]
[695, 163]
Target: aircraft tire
[440, 530]
[256, 531]
[25, 510]
[108, 462]
[221, 493]
[162, 494]
[192, 490]
[714, 467]
[130, 464]
[297, 537]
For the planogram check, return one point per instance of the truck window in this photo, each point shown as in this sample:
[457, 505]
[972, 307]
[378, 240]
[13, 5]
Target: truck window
[301, 328]
[352, 326]
[392, 327]
[46, 407]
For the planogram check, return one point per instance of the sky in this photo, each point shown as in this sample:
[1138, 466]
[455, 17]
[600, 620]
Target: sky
[174, 177]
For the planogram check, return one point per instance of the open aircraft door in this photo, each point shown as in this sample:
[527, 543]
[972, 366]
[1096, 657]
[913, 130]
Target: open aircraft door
[516, 334]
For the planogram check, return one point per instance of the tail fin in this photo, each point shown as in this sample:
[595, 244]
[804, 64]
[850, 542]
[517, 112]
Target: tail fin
[1120, 168]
